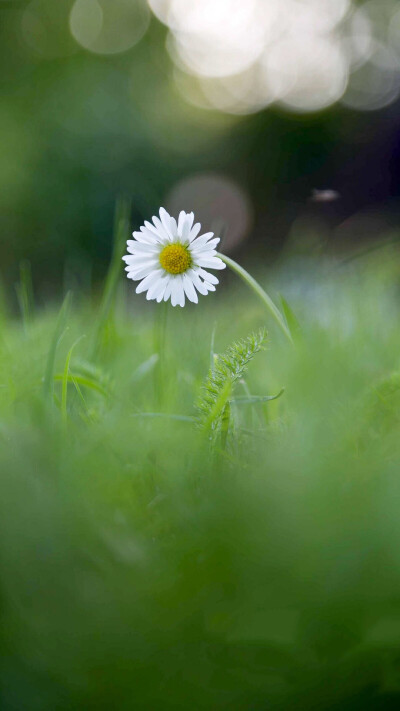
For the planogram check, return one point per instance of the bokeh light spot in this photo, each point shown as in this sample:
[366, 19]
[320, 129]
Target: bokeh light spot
[219, 204]
[376, 83]
[44, 28]
[302, 54]
[307, 76]
[107, 27]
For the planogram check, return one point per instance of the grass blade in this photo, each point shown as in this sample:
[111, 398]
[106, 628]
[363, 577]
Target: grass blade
[144, 368]
[290, 316]
[59, 330]
[64, 390]
[261, 293]
[252, 399]
[82, 380]
[120, 235]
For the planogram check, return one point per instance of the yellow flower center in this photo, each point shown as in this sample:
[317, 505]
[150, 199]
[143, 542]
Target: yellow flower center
[175, 258]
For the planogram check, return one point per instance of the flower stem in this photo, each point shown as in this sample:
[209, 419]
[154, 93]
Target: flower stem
[253, 284]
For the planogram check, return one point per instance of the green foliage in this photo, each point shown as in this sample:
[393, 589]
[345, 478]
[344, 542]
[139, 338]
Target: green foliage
[213, 404]
[138, 571]
[384, 404]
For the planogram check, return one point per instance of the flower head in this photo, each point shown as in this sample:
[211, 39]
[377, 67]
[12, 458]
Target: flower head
[169, 259]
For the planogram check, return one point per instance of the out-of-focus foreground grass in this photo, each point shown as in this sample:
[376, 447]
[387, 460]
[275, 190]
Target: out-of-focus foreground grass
[140, 569]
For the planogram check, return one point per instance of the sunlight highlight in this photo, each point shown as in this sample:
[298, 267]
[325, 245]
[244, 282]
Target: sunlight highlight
[240, 57]
[108, 28]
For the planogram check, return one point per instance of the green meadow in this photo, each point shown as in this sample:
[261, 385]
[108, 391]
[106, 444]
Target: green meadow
[171, 538]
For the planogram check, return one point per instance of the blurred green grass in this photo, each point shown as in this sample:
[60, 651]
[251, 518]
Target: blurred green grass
[140, 568]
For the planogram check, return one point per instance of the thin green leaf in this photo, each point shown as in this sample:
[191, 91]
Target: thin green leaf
[252, 399]
[82, 399]
[120, 235]
[144, 368]
[59, 330]
[82, 380]
[291, 318]
[64, 390]
[261, 293]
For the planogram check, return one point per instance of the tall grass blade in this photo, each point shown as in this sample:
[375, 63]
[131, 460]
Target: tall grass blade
[261, 293]
[86, 382]
[290, 317]
[120, 235]
[144, 368]
[58, 331]
[64, 390]
[253, 399]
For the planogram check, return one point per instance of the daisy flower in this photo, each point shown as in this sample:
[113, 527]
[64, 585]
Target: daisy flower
[170, 259]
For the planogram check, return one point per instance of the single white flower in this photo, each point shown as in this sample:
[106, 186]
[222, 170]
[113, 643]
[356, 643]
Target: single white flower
[170, 259]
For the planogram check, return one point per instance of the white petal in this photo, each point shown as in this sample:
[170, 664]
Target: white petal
[212, 263]
[198, 283]
[134, 247]
[177, 291]
[210, 287]
[187, 226]
[144, 236]
[202, 240]
[166, 222]
[168, 290]
[148, 281]
[140, 260]
[181, 220]
[174, 291]
[151, 228]
[161, 293]
[160, 229]
[181, 301]
[151, 235]
[211, 244]
[203, 254]
[155, 289]
[189, 289]
[138, 275]
[194, 231]
[141, 272]
[149, 264]
[207, 276]
[160, 234]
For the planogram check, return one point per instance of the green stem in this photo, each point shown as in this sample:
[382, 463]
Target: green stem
[253, 284]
